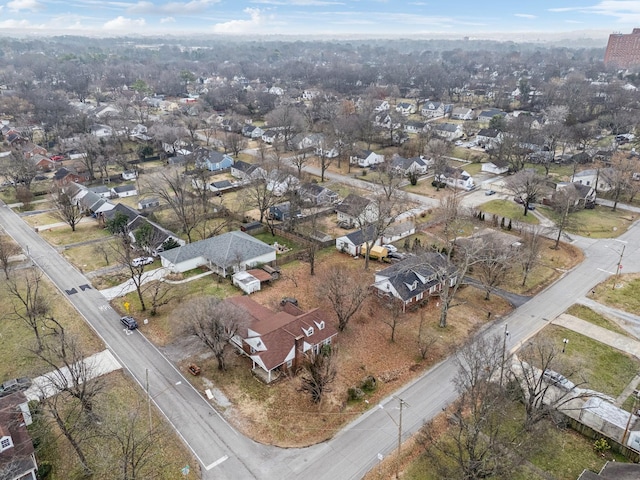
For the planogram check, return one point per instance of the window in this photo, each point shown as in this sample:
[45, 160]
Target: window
[289, 363]
[419, 296]
[5, 442]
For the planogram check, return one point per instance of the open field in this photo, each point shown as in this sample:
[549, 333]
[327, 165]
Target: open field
[508, 209]
[84, 231]
[626, 294]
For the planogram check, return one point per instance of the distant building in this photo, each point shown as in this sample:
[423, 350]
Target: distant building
[623, 50]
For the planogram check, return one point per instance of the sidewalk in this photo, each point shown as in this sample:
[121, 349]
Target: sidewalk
[97, 365]
[628, 321]
[129, 286]
[613, 339]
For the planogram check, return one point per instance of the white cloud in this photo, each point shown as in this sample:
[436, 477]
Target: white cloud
[167, 20]
[12, 23]
[298, 3]
[17, 5]
[123, 23]
[241, 26]
[194, 6]
[625, 10]
[525, 15]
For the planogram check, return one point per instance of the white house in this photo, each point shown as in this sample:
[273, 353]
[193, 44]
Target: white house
[497, 167]
[356, 210]
[462, 113]
[382, 106]
[488, 138]
[352, 243]
[449, 131]
[595, 178]
[433, 109]
[405, 108]
[366, 158]
[122, 191]
[456, 178]
[226, 253]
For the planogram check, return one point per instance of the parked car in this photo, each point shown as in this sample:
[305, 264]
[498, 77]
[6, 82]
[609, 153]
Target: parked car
[557, 380]
[138, 262]
[531, 207]
[15, 385]
[518, 200]
[129, 322]
[490, 192]
[390, 248]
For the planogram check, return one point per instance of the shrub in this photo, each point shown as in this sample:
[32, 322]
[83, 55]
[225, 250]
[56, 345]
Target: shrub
[369, 383]
[355, 393]
[601, 446]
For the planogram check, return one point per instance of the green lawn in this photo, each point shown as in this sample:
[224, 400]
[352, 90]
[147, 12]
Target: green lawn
[625, 297]
[603, 368]
[585, 313]
[600, 222]
[508, 209]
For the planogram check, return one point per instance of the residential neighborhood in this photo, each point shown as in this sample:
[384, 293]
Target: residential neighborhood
[313, 243]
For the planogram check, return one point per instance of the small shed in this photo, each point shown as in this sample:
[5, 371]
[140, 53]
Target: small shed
[148, 203]
[246, 282]
[252, 227]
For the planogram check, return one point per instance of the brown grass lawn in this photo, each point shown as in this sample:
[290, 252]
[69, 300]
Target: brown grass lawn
[280, 414]
[86, 258]
[626, 294]
[425, 188]
[18, 339]
[64, 236]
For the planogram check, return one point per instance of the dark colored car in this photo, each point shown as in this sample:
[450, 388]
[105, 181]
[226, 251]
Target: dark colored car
[291, 300]
[15, 385]
[129, 322]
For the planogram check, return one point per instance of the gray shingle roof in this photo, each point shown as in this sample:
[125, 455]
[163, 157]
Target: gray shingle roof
[223, 251]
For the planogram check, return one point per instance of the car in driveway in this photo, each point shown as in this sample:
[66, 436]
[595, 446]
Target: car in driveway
[490, 192]
[129, 322]
[15, 385]
[140, 261]
[390, 248]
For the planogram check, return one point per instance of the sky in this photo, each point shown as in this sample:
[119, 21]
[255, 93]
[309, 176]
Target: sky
[326, 18]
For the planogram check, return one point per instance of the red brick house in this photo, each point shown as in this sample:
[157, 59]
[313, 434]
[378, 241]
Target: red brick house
[17, 457]
[277, 341]
[65, 176]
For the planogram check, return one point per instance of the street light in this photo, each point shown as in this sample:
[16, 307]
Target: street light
[564, 344]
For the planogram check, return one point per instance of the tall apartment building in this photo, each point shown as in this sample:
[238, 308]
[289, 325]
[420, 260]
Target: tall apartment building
[623, 50]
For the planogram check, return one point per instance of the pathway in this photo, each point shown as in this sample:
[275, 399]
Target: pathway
[130, 286]
[626, 320]
[96, 365]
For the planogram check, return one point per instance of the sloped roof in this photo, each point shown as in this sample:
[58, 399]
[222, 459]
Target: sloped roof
[12, 424]
[278, 330]
[124, 188]
[415, 271]
[223, 250]
[488, 132]
[353, 205]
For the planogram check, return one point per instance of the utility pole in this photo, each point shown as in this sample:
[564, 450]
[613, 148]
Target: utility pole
[618, 267]
[402, 403]
[504, 352]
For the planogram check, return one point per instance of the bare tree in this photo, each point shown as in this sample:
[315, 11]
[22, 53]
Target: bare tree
[287, 119]
[390, 312]
[71, 371]
[478, 443]
[493, 262]
[161, 294]
[530, 251]
[438, 150]
[234, 142]
[424, 340]
[319, 373]
[299, 159]
[7, 250]
[136, 441]
[29, 302]
[214, 322]
[65, 208]
[19, 169]
[564, 202]
[344, 291]
[620, 175]
[174, 188]
[543, 389]
[527, 185]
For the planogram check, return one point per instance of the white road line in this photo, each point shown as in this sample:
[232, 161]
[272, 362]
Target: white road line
[606, 271]
[217, 462]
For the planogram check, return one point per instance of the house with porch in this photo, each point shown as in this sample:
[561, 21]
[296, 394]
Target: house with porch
[406, 166]
[223, 254]
[496, 166]
[276, 342]
[212, 160]
[413, 280]
[462, 113]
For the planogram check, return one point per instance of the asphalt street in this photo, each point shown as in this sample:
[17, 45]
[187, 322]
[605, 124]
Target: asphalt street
[223, 453]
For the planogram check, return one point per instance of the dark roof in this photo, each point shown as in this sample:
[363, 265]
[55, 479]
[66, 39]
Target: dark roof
[353, 205]
[416, 274]
[360, 236]
[222, 184]
[244, 166]
[124, 188]
[446, 127]
[492, 113]
[488, 132]
[405, 163]
[130, 213]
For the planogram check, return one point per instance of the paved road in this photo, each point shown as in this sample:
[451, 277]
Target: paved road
[354, 450]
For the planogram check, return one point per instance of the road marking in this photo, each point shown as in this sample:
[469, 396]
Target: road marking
[217, 462]
[606, 271]
[104, 308]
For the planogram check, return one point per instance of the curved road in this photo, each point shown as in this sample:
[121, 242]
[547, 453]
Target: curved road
[223, 453]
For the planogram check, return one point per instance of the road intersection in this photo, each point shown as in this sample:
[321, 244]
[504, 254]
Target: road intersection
[224, 453]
